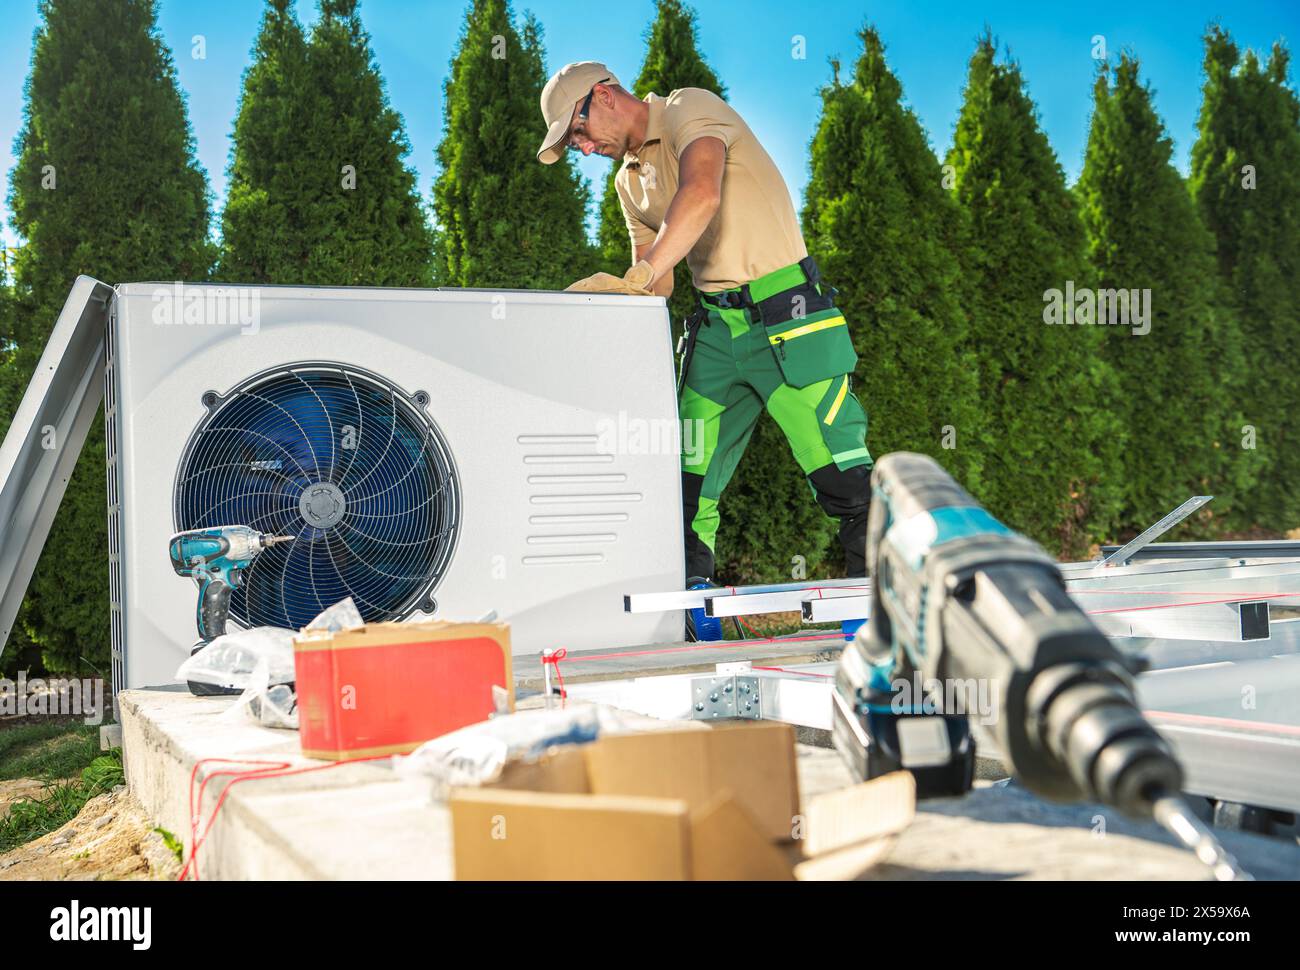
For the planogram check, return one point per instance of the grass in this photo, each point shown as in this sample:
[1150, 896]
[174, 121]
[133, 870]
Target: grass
[66, 757]
[173, 844]
[47, 750]
[771, 625]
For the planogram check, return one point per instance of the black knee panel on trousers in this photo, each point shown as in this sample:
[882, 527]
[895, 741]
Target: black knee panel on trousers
[699, 557]
[846, 495]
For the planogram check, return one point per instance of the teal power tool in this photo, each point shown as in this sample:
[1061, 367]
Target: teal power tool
[967, 616]
[216, 559]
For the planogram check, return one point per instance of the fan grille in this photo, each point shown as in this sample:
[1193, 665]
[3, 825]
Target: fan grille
[345, 462]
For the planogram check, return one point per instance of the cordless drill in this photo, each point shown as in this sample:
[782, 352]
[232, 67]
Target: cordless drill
[216, 559]
[959, 599]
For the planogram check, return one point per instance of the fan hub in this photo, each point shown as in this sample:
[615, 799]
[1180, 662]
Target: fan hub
[322, 505]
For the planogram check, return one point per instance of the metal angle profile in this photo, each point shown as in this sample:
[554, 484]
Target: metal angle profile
[45, 438]
[836, 609]
[689, 599]
[786, 601]
[1125, 552]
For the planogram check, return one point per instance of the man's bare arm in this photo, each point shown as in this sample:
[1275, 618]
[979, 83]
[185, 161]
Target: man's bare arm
[692, 208]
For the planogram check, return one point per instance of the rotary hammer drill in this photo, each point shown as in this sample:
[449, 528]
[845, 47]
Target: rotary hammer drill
[958, 598]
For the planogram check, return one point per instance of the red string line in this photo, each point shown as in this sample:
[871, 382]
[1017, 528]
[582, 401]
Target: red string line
[1210, 720]
[270, 769]
[560, 654]
[797, 673]
[1240, 598]
[1165, 592]
[756, 637]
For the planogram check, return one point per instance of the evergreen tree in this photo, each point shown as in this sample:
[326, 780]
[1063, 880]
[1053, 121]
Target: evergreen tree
[887, 234]
[271, 191]
[318, 191]
[106, 184]
[503, 219]
[1052, 430]
[1245, 167]
[1144, 236]
[10, 388]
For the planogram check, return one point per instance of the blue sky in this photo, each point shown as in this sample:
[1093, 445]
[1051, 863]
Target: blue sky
[748, 43]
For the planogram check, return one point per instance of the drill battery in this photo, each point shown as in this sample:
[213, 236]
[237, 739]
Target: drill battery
[877, 729]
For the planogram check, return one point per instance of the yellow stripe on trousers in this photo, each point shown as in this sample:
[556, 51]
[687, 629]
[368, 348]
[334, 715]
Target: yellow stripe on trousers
[839, 399]
[808, 328]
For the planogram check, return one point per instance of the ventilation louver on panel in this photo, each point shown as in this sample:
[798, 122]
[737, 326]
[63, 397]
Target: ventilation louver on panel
[344, 461]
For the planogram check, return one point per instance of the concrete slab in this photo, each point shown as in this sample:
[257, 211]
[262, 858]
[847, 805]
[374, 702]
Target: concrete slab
[1001, 831]
[362, 821]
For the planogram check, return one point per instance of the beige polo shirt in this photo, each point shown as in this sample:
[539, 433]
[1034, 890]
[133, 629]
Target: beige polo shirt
[754, 231]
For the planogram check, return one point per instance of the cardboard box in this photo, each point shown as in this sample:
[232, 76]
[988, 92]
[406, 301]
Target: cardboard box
[386, 688]
[717, 804]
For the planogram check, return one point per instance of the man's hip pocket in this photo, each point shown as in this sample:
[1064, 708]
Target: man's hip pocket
[812, 348]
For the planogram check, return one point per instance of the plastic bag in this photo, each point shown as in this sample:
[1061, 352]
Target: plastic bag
[260, 663]
[275, 707]
[476, 755]
[231, 659]
[269, 698]
[343, 615]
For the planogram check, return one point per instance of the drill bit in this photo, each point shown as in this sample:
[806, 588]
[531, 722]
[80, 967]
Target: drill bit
[1177, 817]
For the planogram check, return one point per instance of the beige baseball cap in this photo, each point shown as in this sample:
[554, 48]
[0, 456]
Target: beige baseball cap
[563, 91]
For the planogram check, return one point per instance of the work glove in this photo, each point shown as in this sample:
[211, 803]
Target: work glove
[635, 282]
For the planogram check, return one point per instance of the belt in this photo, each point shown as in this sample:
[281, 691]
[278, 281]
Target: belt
[754, 294]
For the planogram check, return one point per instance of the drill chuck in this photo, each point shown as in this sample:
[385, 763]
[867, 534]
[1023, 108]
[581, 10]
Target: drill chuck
[1085, 717]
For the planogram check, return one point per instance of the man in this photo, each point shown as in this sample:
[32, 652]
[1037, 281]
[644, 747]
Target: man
[695, 184]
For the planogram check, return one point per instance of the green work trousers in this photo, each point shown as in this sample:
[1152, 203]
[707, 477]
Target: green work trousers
[743, 359]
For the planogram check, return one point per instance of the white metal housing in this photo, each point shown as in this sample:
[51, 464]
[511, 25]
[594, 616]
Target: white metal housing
[555, 408]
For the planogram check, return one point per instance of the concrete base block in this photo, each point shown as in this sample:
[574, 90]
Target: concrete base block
[363, 821]
[358, 821]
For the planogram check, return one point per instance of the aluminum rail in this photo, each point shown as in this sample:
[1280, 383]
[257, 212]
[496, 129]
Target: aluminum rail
[1260, 549]
[689, 599]
[786, 601]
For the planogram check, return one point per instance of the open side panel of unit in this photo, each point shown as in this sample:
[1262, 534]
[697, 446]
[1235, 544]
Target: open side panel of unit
[44, 441]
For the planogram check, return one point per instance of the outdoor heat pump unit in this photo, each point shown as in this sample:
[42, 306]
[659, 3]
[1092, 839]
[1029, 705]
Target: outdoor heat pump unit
[436, 453]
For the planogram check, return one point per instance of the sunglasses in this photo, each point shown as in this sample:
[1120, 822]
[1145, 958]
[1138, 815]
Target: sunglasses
[583, 112]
